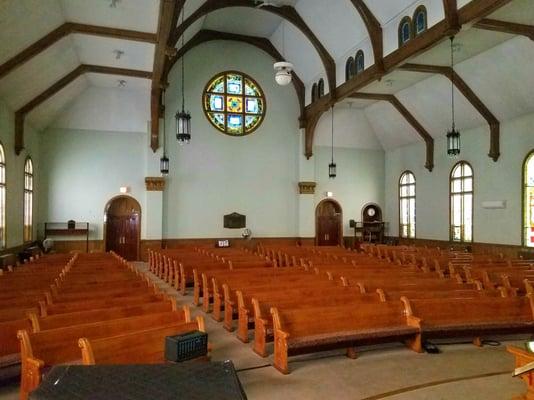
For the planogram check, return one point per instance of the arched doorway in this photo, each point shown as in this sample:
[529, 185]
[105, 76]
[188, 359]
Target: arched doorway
[328, 223]
[122, 226]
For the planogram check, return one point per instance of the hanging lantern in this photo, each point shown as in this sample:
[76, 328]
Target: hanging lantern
[183, 127]
[453, 136]
[453, 143]
[164, 165]
[332, 170]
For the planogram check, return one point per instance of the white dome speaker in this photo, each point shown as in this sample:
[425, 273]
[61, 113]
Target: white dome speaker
[283, 73]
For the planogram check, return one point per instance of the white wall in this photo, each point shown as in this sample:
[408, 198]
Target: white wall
[216, 174]
[493, 181]
[15, 174]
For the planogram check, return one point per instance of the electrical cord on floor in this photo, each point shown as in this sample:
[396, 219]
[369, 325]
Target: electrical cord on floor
[433, 348]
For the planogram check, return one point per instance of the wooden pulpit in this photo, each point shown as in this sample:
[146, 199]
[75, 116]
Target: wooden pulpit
[522, 358]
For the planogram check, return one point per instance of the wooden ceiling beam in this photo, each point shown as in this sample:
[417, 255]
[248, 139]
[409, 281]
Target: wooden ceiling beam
[169, 11]
[470, 13]
[287, 13]
[375, 32]
[469, 94]
[451, 16]
[21, 113]
[506, 27]
[408, 116]
[261, 43]
[66, 29]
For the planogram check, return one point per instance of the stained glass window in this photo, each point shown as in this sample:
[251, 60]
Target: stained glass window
[234, 103]
[461, 203]
[349, 68]
[320, 88]
[28, 200]
[360, 61]
[2, 198]
[405, 31]
[528, 201]
[419, 20]
[407, 205]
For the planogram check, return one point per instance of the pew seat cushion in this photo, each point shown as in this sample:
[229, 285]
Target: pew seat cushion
[444, 326]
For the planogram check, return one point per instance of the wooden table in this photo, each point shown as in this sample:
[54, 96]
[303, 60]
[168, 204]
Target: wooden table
[523, 357]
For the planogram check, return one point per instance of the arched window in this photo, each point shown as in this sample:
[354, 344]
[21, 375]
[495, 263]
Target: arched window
[461, 203]
[314, 93]
[419, 20]
[2, 198]
[28, 200]
[320, 87]
[528, 200]
[405, 31]
[349, 69]
[360, 61]
[407, 205]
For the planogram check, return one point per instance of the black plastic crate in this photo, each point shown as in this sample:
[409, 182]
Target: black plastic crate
[186, 346]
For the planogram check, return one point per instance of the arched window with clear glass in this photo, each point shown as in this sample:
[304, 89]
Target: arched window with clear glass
[349, 69]
[2, 198]
[528, 200]
[360, 61]
[405, 31]
[28, 200]
[461, 203]
[407, 205]
[419, 20]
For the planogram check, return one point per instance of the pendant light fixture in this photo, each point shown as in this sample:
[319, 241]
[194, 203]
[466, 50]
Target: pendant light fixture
[183, 119]
[332, 168]
[283, 69]
[453, 136]
[164, 161]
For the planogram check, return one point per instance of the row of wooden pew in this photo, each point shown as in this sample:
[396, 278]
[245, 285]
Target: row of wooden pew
[96, 309]
[308, 299]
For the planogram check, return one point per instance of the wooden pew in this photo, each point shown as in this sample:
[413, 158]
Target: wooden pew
[475, 317]
[60, 346]
[323, 328]
[143, 347]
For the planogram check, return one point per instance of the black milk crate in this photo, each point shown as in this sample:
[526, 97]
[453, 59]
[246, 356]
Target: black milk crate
[186, 346]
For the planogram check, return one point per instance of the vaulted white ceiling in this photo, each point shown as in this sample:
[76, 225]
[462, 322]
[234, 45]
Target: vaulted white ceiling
[489, 62]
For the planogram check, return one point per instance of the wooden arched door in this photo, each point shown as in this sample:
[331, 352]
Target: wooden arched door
[122, 227]
[328, 223]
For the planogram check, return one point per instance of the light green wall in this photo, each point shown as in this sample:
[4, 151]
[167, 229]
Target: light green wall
[493, 181]
[82, 170]
[216, 174]
[15, 174]
[359, 180]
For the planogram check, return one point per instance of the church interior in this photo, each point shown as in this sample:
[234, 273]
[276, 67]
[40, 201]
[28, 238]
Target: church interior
[258, 199]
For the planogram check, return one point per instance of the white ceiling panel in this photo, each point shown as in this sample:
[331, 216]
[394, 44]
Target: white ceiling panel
[243, 20]
[470, 43]
[112, 81]
[519, 11]
[23, 22]
[395, 82]
[139, 15]
[101, 51]
[389, 126]
[38, 74]
[502, 78]
[42, 116]
[429, 101]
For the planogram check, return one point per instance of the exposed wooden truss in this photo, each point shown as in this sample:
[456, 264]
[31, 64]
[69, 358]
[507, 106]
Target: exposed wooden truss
[168, 16]
[262, 43]
[470, 13]
[451, 16]
[408, 116]
[506, 27]
[65, 30]
[463, 87]
[375, 32]
[286, 12]
[21, 113]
